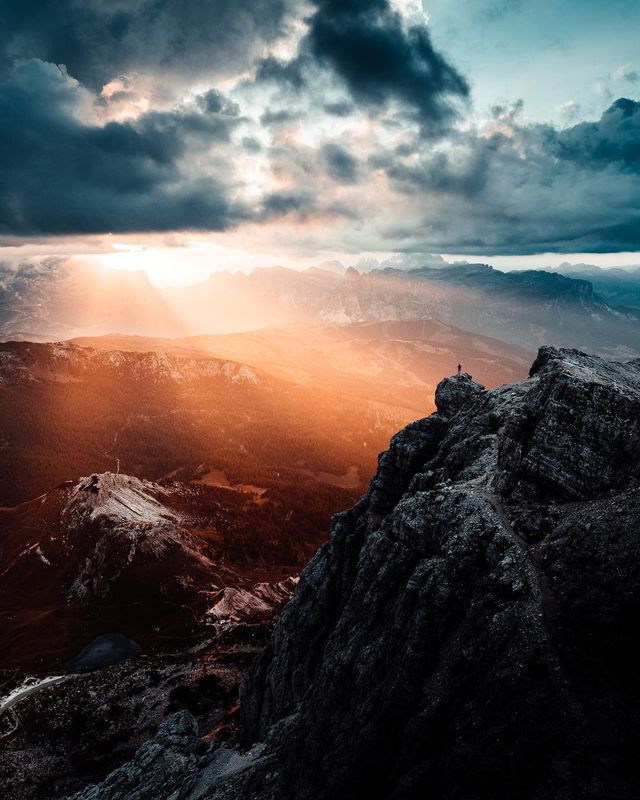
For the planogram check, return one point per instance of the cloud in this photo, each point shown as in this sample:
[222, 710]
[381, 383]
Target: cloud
[613, 140]
[60, 174]
[508, 187]
[524, 188]
[352, 119]
[569, 111]
[278, 204]
[271, 69]
[214, 102]
[341, 108]
[380, 60]
[381, 56]
[101, 39]
[339, 163]
[627, 73]
[277, 117]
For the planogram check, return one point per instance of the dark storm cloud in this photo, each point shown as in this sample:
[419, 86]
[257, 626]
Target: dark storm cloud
[365, 43]
[339, 163]
[529, 188]
[436, 172]
[272, 69]
[378, 59]
[215, 102]
[59, 175]
[278, 204]
[513, 187]
[100, 39]
[615, 138]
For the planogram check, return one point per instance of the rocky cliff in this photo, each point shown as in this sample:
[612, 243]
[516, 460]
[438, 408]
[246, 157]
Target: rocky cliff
[468, 630]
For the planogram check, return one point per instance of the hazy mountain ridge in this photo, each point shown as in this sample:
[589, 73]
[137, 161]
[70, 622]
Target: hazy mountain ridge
[59, 299]
[395, 363]
[618, 286]
[518, 307]
[63, 361]
[521, 308]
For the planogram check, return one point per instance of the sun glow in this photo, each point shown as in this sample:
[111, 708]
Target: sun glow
[187, 262]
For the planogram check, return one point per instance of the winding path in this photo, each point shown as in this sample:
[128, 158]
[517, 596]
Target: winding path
[24, 691]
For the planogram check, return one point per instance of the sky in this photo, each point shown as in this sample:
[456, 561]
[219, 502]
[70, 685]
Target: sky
[183, 136]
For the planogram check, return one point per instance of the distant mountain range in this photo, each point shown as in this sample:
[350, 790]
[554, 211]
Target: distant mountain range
[523, 308]
[58, 299]
[619, 287]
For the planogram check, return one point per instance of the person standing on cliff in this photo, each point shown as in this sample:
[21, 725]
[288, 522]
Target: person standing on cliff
[459, 370]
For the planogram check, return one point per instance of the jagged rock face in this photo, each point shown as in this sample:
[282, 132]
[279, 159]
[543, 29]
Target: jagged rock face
[468, 630]
[161, 766]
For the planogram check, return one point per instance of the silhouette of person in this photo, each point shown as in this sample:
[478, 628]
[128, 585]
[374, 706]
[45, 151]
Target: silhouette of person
[459, 369]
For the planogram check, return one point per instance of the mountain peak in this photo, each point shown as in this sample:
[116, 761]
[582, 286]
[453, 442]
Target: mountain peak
[119, 497]
[351, 274]
[475, 578]
[455, 392]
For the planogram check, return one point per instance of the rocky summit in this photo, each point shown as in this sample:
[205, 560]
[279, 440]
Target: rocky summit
[468, 631]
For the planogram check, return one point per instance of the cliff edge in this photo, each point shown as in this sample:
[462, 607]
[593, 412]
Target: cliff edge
[468, 631]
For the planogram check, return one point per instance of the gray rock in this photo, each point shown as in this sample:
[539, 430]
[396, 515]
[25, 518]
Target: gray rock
[455, 392]
[110, 648]
[162, 768]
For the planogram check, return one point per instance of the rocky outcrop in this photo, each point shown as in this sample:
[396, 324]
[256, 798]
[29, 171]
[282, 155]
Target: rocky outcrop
[236, 606]
[160, 769]
[466, 632]
[455, 392]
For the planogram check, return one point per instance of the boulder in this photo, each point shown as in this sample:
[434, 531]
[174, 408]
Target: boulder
[105, 650]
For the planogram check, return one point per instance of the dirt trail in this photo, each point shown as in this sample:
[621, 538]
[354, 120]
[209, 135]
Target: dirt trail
[26, 689]
[538, 579]
[543, 597]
